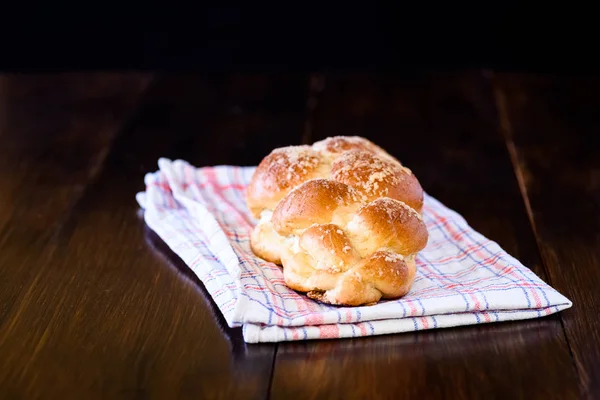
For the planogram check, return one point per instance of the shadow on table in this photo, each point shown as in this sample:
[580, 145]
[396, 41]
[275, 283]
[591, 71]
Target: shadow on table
[241, 353]
[447, 343]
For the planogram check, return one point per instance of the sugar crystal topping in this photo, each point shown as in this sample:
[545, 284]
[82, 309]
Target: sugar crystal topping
[392, 257]
[370, 174]
[294, 162]
[390, 206]
[337, 144]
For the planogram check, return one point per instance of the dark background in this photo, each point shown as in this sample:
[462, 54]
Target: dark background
[500, 36]
[91, 306]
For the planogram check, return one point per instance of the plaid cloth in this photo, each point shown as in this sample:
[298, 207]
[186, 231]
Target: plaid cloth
[462, 277]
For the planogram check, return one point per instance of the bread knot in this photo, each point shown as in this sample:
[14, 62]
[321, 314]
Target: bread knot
[342, 217]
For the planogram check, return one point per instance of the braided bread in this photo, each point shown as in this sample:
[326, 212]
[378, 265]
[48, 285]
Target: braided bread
[342, 217]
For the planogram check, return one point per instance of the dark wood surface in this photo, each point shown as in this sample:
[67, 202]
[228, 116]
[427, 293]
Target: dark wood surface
[552, 128]
[93, 304]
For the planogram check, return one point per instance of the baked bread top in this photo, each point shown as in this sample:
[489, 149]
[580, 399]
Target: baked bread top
[341, 216]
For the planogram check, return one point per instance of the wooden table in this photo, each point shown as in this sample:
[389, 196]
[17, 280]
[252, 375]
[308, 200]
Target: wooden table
[92, 305]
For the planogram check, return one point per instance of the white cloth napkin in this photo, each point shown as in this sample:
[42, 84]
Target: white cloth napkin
[462, 277]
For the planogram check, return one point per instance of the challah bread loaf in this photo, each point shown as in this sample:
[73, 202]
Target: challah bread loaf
[342, 217]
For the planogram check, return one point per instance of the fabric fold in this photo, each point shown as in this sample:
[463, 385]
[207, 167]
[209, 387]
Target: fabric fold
[463, 278]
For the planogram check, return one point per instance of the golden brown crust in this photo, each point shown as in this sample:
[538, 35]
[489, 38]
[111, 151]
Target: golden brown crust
[316, 201]
[336, 145]
[389, 272]
[345, 223]
[278, 173]
[375, 177]
[350, 291]
[330, 246]
[387, 223]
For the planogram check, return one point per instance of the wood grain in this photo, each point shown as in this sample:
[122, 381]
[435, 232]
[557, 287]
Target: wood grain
[55, 131]
[444, 128]
[93, 304]
[113, 314]
[552, 126]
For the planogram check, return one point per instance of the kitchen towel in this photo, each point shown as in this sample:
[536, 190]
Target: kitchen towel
[463, 278]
